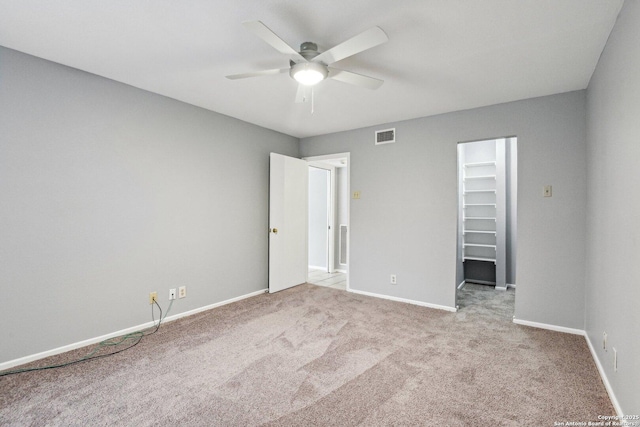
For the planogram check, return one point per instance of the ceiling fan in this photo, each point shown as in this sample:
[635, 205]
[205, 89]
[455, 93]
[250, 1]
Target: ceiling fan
[309, 67]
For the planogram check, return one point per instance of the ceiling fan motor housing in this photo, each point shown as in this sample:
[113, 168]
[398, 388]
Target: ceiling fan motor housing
[309, 50]
[308, 73]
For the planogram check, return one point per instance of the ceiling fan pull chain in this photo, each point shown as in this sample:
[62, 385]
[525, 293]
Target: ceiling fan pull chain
[312, 101]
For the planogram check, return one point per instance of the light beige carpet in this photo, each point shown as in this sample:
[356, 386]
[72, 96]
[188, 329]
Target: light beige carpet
[315, 356]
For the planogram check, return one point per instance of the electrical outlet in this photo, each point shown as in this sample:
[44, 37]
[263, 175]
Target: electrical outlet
[153, 297]
[604, 341]
[172, 294]
[393, 279]
[615, 359]
[182, 291]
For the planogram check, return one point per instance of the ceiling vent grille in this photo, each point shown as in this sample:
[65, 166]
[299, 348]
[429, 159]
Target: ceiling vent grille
[386, 136]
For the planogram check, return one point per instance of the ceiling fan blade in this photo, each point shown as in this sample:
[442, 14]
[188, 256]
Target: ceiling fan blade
[355, 78]
[303, 94]
[363, 41]
[262, 31]
[258, 73]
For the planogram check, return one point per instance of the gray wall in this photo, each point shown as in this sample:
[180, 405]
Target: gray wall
[109, 192]
[318, 225]
[612, 295]
[405, 221]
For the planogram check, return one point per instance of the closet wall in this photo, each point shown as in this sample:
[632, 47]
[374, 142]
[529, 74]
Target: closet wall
[318, 218]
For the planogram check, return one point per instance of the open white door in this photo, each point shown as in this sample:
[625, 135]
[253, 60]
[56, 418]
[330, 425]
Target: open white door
[288, 222]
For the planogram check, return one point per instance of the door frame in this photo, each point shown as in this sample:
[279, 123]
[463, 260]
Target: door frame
[329, 158]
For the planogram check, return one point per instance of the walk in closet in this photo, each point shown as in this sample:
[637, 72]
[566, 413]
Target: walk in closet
[486, 212]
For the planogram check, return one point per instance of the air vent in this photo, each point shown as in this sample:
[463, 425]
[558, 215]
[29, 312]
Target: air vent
[386, 136]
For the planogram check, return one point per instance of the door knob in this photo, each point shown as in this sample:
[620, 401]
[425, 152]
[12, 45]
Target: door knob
[274, 230]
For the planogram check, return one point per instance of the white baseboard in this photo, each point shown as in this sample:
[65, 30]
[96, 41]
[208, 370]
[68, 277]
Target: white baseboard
[317, 267]
[549, 327]
[511, 285]
[214, 305]
[341, 270]
[26, 359]
[461, 285]
[605, 380]
[69, 347]
[408, 301]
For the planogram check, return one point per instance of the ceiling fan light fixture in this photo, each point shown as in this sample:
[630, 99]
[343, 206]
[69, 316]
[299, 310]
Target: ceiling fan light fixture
[309, 73]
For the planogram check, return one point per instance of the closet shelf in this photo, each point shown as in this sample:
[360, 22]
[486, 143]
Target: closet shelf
[479, 217]
[467, 178]
[479, 191]
[478, 245]
[479, 204]
[478, 258]
[479, 231]
[472, 165]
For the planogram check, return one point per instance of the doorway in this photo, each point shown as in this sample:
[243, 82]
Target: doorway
[329, 220]
[320, 224]
[487, 214]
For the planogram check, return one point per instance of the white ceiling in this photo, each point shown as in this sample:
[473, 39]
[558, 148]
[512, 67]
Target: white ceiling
[442, 55]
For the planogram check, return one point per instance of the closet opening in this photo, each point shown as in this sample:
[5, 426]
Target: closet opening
[328, 221]
[487, 214]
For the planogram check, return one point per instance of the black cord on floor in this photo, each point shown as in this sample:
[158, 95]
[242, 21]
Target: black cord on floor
[113, 342]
